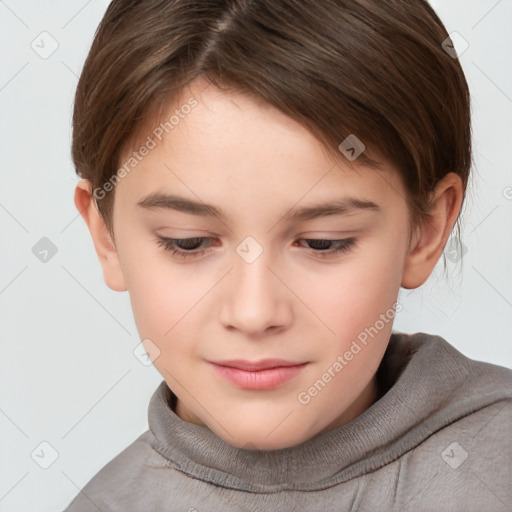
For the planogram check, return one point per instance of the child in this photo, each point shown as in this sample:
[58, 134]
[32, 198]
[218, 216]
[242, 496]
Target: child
[263, 177]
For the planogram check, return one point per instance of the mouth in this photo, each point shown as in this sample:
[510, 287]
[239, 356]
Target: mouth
[258, 375]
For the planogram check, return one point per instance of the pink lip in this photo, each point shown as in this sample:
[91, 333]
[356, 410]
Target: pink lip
[260, 375]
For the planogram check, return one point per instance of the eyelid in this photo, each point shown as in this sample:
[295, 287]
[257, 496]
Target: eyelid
[343, 245]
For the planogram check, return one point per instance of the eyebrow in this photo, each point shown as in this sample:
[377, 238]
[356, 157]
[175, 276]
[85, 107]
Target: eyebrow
[157, 200]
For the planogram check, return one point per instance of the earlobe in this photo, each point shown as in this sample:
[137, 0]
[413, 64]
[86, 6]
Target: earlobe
[103, 243]
[430, 238]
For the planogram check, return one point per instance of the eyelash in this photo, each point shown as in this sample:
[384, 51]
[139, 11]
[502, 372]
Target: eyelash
[169, 244]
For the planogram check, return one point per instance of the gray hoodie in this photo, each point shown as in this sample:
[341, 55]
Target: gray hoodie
[438, 439]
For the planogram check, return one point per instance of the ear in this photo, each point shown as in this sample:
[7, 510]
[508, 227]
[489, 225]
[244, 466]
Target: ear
[103, 243]
[430, 238]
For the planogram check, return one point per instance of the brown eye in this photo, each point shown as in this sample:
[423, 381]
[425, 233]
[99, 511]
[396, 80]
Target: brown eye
[320, 246]
[182, 247]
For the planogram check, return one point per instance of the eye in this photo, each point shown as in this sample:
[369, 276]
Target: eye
[188, 247]
[320, 246]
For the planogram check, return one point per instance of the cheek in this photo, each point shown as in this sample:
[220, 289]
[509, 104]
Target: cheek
[351, 296]
[162, 296]
[163, 307]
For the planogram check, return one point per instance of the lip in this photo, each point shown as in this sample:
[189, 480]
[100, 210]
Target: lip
[258, 375]
[263, 364]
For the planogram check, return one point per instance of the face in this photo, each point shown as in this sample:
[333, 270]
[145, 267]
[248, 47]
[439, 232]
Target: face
[270, 317]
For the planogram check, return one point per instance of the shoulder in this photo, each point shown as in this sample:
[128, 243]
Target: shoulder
[465, 465]
[434, 361]
[470, 394]
[116, 487]
[465, 456]
[485, 387]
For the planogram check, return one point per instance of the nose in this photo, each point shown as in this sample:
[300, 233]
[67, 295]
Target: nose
[255, 301]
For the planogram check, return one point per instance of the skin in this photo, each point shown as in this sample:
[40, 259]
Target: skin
[256, 164]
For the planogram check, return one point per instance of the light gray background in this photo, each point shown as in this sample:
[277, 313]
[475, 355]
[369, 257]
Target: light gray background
[68, 373]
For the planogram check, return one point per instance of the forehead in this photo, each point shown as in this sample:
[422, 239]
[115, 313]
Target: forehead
[207, 141]
[207, 112]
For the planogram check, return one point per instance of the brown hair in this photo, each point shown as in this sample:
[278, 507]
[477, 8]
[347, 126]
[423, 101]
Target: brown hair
[339, 67]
